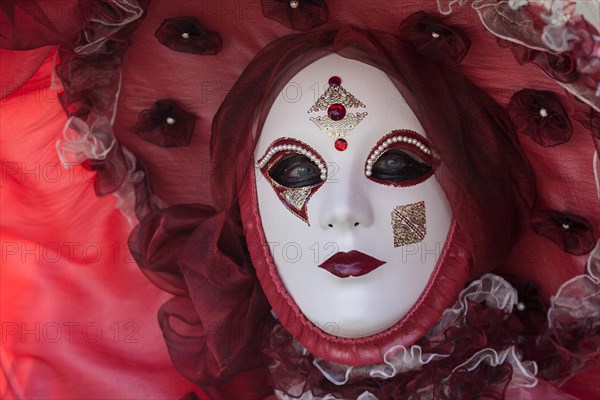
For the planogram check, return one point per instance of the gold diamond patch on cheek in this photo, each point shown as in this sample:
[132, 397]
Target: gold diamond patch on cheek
[408, 224]
[297, 197]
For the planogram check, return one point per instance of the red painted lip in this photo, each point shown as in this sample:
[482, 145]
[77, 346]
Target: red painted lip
[353, 263]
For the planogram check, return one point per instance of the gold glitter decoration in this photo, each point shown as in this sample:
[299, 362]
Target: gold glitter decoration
[408, 224]
[335, 95]
[296, 197]
[338, 129]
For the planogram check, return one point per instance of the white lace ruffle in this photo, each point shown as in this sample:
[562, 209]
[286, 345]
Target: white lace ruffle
[82, 141]
[508, 21]
[102, 28]
[579, 297]
[491, 290]
[524, 372]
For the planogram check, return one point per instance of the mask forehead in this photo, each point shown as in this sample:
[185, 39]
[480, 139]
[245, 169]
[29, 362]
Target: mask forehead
[290, 114]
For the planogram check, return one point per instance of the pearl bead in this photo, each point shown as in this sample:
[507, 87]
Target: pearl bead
[368, 173]
[543, 112]
[294, 3]
[170, 120]
[185, 35]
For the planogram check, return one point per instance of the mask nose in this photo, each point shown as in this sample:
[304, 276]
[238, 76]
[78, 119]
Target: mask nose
[345, 207]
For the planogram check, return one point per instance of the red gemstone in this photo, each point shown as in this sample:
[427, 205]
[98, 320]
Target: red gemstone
[335, 81]
[336, 112]
[341, 144]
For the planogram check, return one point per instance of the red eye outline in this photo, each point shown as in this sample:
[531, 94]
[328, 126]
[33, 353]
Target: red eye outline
[406, 140]
[275, 152]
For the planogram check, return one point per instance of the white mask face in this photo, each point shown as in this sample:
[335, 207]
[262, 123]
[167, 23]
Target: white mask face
[354, 242]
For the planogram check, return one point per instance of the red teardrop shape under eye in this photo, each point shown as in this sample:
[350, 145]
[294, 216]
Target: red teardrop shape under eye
[335, 81]
[341, 144]
[336, 112]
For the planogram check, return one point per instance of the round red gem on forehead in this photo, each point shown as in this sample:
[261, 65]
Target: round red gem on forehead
[335, 81]
[336, 112]
[341, 144]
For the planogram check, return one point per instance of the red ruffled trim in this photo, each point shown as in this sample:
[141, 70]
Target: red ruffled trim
[479, 355]
[444, 378]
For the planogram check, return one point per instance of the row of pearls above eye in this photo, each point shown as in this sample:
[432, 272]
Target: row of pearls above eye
[396, 139]
[298, 149]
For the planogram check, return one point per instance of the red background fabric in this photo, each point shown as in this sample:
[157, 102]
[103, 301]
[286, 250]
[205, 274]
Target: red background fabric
[64, 257]
[78, 319]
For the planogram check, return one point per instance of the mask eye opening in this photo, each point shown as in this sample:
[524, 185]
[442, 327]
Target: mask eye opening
[401, 158]
[295, 192]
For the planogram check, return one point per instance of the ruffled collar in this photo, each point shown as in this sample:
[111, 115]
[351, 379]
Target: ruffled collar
[481, 347]
[474, 339]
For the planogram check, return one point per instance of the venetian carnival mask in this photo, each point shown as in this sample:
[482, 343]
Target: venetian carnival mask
[353, 216]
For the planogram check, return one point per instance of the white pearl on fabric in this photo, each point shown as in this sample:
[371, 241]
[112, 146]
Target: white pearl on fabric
[516, 4]
[185, 35]
[435, 35]
[294, 3]
[520, 306]
[543, 112]
[170, 120]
